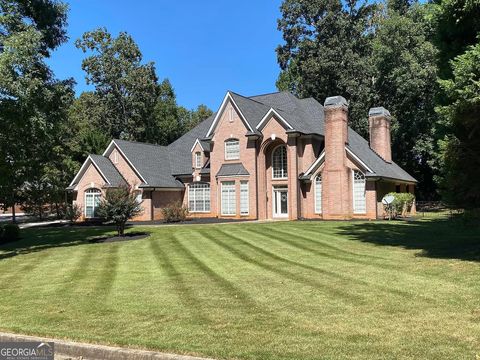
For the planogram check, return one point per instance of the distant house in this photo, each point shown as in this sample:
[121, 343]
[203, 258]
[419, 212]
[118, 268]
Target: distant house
[260, 157]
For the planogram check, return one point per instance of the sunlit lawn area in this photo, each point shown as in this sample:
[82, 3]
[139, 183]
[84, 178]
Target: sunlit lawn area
[288, 290]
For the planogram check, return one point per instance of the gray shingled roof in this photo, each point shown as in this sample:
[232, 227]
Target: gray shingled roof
[158, 164]
[152, 162]
[235, 169]
[109, 170]
[179, 150]
[361, 148]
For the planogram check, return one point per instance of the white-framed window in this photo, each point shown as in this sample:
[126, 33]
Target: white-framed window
[92, 200]
[232, 149]
[359, 198]
[199, 197]
[228, 198]
[318, 194]
[115, 157]
[198, 160]
[244, 200]
[279, 162]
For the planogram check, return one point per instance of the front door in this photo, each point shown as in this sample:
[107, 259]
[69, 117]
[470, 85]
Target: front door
[280, 202]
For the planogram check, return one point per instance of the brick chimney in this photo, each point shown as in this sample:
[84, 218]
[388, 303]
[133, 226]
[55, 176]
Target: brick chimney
[335, 177]
[379, 128]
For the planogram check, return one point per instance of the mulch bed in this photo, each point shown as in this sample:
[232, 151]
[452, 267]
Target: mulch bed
[126, 237]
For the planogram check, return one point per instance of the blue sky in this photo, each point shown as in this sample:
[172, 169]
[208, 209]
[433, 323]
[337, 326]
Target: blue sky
[204, 47]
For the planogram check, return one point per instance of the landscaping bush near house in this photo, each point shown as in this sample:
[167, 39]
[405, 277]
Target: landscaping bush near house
[73, 212]
[119, 205]
[9, 233]
[402, 204]
[175, 212]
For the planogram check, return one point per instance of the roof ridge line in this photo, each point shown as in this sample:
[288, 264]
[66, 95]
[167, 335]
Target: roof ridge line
[248, 98]
[141, 143]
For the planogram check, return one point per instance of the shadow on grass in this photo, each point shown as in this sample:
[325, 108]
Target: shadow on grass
[39, 239]
[435, 238]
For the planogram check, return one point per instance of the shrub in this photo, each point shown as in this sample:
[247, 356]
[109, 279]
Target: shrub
[9, 233]
[119, 205]
[402, 204]
[73, 212]
[175, 212]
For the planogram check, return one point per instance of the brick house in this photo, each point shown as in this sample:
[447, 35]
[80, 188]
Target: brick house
[261, 157]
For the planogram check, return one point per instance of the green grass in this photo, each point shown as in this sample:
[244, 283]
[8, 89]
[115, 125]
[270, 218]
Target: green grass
[288, 290]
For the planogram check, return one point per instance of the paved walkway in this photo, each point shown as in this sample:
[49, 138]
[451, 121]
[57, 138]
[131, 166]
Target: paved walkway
[69, 350]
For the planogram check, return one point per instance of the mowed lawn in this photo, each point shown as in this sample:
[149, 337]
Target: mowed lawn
[284, 290]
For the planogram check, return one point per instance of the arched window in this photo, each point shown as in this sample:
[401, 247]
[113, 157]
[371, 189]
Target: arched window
[92, 200]
[359, 203]
[232, 149]
[318, 194]
[279, 162]
[199, 197]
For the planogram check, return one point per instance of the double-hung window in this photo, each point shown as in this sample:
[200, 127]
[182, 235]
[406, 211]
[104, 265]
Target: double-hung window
[92, 201]
[359, 198]
[232, 149]
[244, 205]
[199, 197]
[318, 194]
[198, 160]
[228, 198]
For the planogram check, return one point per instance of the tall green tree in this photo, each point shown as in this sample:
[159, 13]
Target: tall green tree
[126, 88]
[327, 51]
[405, 83]
[32, 101]
[457, 31]
[460, 148]
[168, 126]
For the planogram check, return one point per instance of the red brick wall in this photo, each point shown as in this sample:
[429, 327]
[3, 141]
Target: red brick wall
[379, 128]
[162, 199]
[224, 130]
[336, 176]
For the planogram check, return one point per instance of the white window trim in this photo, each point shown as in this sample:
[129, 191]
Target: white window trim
[198, 161]
[85, 201]
[115, 157]
[357, 212]
[188, 199]
[244, 182]
[221, 195]
[273, 172]
[318, 211]
[225, 149]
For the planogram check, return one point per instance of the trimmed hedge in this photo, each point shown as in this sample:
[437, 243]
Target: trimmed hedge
[175, 212]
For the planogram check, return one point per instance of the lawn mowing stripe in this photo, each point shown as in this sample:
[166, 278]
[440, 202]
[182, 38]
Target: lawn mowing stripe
[343, 277]
[79, 270]
[22, 271]
[275, 269]
[324, 233]
[234, 291]
[185, 294]
[108, 273]
[296, 244]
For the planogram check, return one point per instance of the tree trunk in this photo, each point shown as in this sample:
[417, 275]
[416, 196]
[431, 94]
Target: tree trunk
[14, 217]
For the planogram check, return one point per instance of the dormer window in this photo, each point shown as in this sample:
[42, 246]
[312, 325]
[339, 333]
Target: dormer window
[232, 149]
[198, 160]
